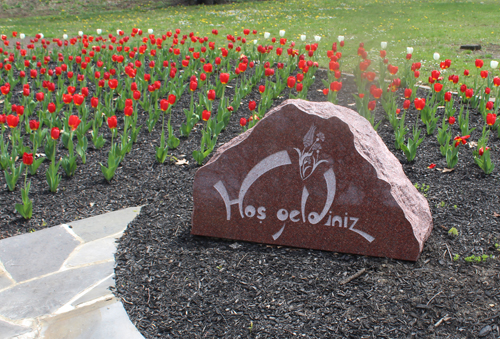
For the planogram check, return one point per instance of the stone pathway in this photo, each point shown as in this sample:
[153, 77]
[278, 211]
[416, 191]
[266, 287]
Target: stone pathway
[55, 283]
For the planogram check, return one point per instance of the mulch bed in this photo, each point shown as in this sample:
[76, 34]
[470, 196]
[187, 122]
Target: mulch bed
[173, 284]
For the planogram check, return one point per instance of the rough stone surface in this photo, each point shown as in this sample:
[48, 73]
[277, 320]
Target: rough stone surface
[94, 251]
[34, 254]
[99, 291]
[8, 330]
[104, 225]
[312, 175]
[5, 281]
[45, 295]
[103, 320]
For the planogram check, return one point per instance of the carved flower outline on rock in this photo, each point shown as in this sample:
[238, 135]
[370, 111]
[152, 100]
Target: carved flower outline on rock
[308, 157]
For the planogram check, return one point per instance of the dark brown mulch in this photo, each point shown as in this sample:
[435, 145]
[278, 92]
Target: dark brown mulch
[175, 285]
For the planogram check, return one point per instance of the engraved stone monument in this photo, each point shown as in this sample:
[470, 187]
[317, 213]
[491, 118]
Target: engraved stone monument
[312, 175]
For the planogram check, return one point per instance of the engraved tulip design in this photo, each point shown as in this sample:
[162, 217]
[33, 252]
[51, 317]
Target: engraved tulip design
[308, 157]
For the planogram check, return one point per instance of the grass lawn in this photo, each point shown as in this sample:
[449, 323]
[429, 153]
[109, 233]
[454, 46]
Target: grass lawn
[428, 26]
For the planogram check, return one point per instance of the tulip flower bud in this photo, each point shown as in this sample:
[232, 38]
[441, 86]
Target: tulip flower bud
[340, 38]
[150, 31]
[282, 33]
[436, 56]
[383, 44]
[494, 64]
[255, 42]
[99, 31]
[267, 35]
[409, 50]
[22, 36]
[80, 33]
[41, 35]
[27, 158]
[303, 37]
[65, 36]
[317, 38]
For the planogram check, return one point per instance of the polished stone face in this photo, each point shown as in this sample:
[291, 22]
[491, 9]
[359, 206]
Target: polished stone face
[312, 175]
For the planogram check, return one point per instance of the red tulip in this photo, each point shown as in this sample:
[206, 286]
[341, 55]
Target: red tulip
[73, 122]
[262, 89]
[376, 92]
[40, 96]
[435, 75]
[438, 87]
[112, 122]
[3, 119]
[78, 99]
[55, 133]
[484, 74]
[466, 72]
[34, 125]
[479, 63]
[496, 81]
[447, 96]
[463, 88]
[128, 111]
[193, 85]
[243, 122]
[408, 92]
[171, 99]
[491, 119]
[164, 105]
[419, 103]
[94, 102]
[336, 86]
[269, 72]
[224, 78]
[12, 121]
[451, 120]
[371, 105]
[291, 81]
[252, 105]
[462, 140]
[325, 91]
[482, 149]
[469, 93]
[27, 158]
[205, 115]
[113, 83]
[19, 110]
[487, 90]
[489, 105]
[406, 104]
[211, 95]
[299, 87]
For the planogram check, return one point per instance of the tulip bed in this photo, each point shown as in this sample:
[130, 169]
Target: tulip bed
[91, 124]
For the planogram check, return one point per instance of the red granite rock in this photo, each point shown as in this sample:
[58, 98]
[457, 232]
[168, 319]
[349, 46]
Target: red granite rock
[312, 175]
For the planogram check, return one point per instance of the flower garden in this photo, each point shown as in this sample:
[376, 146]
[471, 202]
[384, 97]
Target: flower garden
[96, 122]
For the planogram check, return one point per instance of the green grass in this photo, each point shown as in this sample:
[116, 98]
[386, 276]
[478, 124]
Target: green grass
[428, 26]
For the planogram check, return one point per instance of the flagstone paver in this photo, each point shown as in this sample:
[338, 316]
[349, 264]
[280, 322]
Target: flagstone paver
[103, 320]
[8, 330]
[94, 251]
[45, 295]
[104, 225]
[55, 283]
[99, 291]
[5, 281]
[31, 255]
